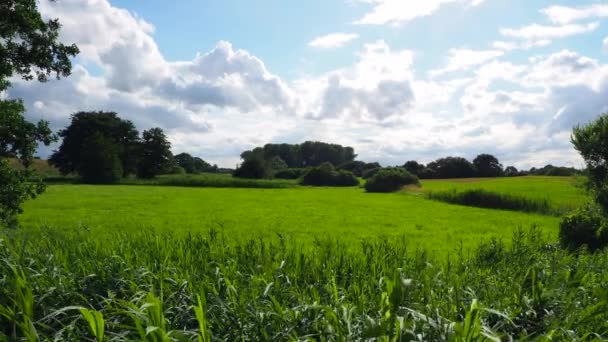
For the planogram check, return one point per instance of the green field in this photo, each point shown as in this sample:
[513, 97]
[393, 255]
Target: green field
[563, 193]
[300, 213]
[163, 263]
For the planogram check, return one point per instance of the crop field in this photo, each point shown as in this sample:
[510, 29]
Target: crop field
[301, 213]
[166, 263]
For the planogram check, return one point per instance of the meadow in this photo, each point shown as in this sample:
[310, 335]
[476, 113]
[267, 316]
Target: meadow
[166, 263]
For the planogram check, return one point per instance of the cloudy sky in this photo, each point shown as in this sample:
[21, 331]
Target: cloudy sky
[395, 79]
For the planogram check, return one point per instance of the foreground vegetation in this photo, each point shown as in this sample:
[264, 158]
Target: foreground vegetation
[158, 286]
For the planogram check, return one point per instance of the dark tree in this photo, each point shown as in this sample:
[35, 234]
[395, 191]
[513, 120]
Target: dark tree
[511, 171]
[121, 133]
[310, 153]
[256, 168]
[326, 175]
[486, 165]
[100, 163]
[154, 157]
[414, 167]
[28, 48]
[390, 180]
[185, 161]
[451, 167]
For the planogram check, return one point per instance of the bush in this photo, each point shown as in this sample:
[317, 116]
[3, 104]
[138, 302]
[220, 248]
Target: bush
[369, 173]
[254, 168]
[292, 173]
[487, 199]
[390, 180]
[586, 227]
[326, 175]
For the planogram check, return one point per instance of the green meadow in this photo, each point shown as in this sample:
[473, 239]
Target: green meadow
[299, 213]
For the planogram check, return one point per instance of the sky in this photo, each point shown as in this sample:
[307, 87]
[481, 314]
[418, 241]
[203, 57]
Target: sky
[397, 80]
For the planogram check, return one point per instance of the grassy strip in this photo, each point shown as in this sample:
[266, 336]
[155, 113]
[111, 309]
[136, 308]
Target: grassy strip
[144, 285]
[487, 199]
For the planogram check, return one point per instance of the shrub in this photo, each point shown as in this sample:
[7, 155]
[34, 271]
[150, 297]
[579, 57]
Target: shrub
[390, 180]
[254, 168]
[326, 175]
[586, 227]
[370, 172]
[492, 200]
[292, 173]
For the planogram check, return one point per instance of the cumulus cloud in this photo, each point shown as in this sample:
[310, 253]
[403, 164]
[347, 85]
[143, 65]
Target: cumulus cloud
[539, 32]
[333, 40]
[525, 45]
[399, 11]
[566, 15]
[464, 59]
[605, 44]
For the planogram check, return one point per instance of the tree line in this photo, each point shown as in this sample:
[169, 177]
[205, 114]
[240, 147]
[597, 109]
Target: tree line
[103, 148]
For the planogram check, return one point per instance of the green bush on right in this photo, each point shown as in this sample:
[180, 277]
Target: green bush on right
[390, 180]
[327, 175]
[586, 227]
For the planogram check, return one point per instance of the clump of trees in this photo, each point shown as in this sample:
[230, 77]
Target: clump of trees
[484, 165]
[307, 154]
[327, 175]
[28, 48]
[194, 165]
[102, 148]
[390, 180]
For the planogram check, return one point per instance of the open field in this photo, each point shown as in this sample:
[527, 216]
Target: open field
[563, 193]
[163, 263]
[299, 213]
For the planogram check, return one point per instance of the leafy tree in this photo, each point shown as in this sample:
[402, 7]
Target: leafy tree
[511, 171]
[186, 161]
[309, 153]
[276, 164]
[256, 168]
[414, 167]
[121, 133]
[326, 175]
[591, 141]
[486, 165]
[28, 48]
[100, 163]
[390, 180]
[451, 167]
[154, 157]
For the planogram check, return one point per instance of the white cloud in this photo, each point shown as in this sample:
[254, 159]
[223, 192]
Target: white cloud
[399, 11]
[525, 45]
[605, 44]
[538, 32]
[464, 59]
[333, 40]
[566, 15]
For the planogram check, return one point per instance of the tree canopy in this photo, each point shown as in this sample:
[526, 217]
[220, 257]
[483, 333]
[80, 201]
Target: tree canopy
[28, 48]
[154, 154]
[309, 153]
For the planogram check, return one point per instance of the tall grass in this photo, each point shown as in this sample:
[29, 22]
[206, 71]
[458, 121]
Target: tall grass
[150, 286]
[487, 199]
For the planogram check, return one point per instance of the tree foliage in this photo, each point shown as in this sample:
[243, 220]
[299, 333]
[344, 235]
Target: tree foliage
[99, 160]
[116, 131]
[28, 48]
[390, 180]
[486, 165]
[154, 154]
[451, 167]
[309, 153]
[193, 164]
[254, 168]
[326, 175]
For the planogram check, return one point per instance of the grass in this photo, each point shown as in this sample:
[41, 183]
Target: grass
[60, 284]
[296, 213]
[562, 193]
[41, 166]
[215, 180]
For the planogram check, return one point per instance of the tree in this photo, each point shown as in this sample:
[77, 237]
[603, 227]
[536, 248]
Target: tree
[486, 165]
[256, 168]
[591, 141]
[100, 163]
[185, 161]
[414, 167]
[28, 48]
[326, 175]
[451, 167]
[511, 171]
[154, 155]
[121, 133]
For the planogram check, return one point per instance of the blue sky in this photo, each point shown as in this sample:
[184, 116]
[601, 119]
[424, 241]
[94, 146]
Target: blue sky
[395, 79]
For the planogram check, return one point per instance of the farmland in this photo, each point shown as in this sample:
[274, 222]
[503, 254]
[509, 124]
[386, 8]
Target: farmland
[150, 262]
